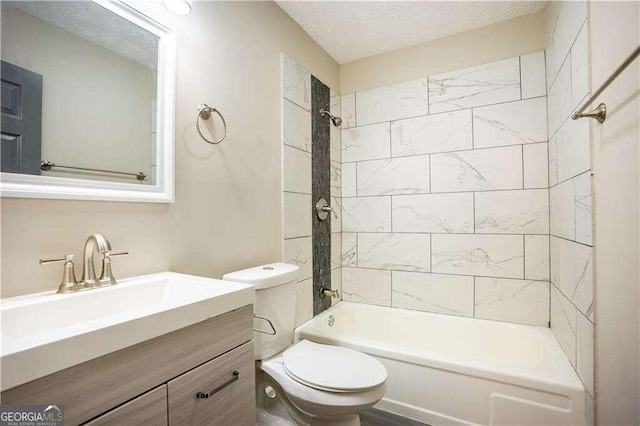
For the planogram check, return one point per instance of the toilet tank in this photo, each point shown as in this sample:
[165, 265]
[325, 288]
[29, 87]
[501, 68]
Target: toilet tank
[275, 286]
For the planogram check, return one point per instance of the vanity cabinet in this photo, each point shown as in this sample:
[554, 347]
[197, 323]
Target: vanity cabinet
[148, 409]
[166, 371]
[229, 405]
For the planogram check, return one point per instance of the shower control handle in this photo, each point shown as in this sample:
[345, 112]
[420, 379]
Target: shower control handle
[329, 209]
[323, 209]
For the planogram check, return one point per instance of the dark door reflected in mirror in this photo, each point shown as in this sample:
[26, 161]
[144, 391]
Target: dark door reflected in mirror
[79, 90]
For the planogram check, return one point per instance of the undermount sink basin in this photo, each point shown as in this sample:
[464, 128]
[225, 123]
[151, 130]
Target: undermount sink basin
[47, 332]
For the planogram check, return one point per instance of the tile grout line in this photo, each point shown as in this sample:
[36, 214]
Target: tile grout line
[575, 220]
[484, 148]
[571, 241]
[390, 147]
[296, 104]
[548, 87]
[474, 296]
[355, 110]
[425, 272]
[479, 234]
[571, 178]
[573, 42]
[549, 197]
[357, 250]
[524, 257]
[428, 103]
[522, 158]
[296, 192]
[473, 133]
[430, 174]
[442, 112]
[391, 290]
[356, 167]
[430, 253]
[436, 193]
[571, 302]
[391, 212]
[473, 210]
[286, 145]
[520, 74]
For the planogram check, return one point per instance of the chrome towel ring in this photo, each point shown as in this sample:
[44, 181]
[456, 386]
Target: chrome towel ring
[204, 112]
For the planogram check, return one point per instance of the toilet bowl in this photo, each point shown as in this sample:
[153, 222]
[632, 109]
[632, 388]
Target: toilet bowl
[306, 382]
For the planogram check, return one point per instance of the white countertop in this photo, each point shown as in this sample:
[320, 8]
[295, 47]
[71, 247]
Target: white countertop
[43, 333]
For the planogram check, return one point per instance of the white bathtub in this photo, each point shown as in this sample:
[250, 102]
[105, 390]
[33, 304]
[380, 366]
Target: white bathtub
[452, 370]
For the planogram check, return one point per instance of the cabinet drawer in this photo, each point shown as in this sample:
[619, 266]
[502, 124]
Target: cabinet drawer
[233, 404]
[149, 409]
[94, 387]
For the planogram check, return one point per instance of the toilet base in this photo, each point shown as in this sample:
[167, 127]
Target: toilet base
[279, 396]
[343, 421]
[278, 410]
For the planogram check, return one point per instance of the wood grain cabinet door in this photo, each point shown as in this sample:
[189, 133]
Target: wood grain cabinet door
[213, 395]
[149, 409]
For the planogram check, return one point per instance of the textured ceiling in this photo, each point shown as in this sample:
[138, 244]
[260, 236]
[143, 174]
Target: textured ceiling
[97, 25]
[350, 30]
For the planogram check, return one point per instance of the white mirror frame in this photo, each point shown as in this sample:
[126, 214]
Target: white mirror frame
[32, 186]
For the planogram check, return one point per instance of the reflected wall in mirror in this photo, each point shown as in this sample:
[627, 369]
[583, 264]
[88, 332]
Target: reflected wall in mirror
[85, 97]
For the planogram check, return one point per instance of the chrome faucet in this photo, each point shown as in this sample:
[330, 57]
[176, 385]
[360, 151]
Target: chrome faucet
[95, 242]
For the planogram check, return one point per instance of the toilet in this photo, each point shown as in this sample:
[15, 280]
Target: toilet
[306, 382]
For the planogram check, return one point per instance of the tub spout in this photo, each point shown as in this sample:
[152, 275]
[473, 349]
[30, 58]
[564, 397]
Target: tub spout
[327, 292]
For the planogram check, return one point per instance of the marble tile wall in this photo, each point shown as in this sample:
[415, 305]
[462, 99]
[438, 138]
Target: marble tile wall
[571, 243]
[336, 197]
[297, 183]
[445, 199]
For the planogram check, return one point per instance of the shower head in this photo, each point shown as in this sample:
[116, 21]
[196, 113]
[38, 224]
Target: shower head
[337, 121]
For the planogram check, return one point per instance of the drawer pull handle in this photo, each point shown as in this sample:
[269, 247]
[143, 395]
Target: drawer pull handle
[205, 395]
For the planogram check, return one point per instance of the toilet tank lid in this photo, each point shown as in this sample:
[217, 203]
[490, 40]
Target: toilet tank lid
[265, 276]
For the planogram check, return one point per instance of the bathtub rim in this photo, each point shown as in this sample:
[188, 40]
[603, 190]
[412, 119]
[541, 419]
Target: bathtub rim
[539, 379]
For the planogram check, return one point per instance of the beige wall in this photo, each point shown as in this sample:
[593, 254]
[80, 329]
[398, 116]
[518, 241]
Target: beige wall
[96, 104]
[615, 29]
[227, 213]
[503, 40]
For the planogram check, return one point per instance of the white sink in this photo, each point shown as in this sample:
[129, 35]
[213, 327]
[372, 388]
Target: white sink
[47, 332]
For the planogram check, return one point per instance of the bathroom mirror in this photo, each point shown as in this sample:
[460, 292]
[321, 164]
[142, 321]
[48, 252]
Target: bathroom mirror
[87, 102]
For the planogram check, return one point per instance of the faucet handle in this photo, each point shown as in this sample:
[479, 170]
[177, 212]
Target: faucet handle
[106, 277]
[329, 209]
[323, 209]
[66, 258]
[68, 282]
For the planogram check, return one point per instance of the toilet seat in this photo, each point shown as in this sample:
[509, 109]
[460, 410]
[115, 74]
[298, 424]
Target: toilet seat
[332, 368]
[317, 402]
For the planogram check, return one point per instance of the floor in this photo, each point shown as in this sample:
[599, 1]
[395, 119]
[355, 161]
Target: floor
[375, 417]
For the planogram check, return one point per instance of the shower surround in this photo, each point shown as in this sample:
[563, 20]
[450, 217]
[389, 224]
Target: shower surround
[445, 193]
[466, 193]
[572, 313]
[311, 169]
[469, 193]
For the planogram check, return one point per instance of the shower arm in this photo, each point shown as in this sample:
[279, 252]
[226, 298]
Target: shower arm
[337, 121]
